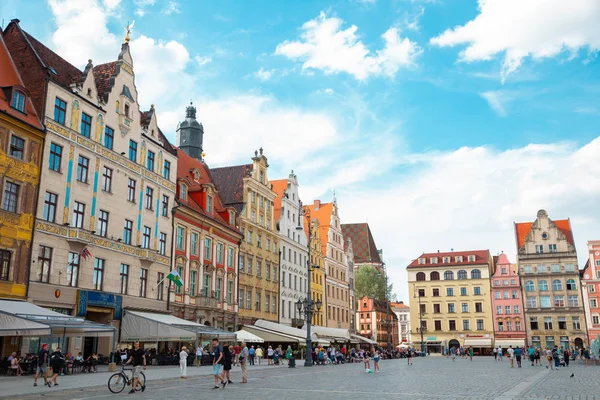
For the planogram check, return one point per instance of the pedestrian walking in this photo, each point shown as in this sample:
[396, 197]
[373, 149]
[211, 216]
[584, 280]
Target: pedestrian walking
[217, 356]
[42, 366]
[555, 357]
[259, 354]
[453, 354]
[511, 356]
[183, 355]
[518, 354]
[499, 353]
[199, 354]
[537, 356]
[137, 356]
[531, 353]
[471, 352]
[57, 360]
[566, 357]
[244, 362]
[270, 353]
[252, 354]
[227, 361]
[495, 354]
[409, 356]
[548, 353]
[236, 354]
[376, 359]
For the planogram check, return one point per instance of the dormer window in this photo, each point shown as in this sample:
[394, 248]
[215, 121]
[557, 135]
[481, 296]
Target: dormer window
[182, 191]
[471, 258]
[152, 132]
[89, 92]
[422, 260]
[232, 217]
[446, 260]
[18, 101]
[434, 260]
[459, 259]
[127, 110]
[196, 174]
[209, 204]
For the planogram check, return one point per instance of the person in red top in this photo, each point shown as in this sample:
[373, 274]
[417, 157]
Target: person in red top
[344, 350]
[237, 351]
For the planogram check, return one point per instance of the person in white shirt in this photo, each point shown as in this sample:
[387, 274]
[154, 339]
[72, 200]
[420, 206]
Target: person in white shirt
[499, 353]
[270, 355]
[183, 355]
[511, 356]
[199, 354]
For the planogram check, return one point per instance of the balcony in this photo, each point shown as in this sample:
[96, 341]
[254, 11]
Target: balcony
[79, 235]
[208, 302]
[125, 123]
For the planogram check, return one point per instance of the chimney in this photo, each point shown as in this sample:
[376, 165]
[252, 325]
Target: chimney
[317, 204]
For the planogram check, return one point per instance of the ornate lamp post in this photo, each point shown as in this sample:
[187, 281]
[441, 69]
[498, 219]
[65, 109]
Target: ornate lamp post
[421, 329]
[308, 306]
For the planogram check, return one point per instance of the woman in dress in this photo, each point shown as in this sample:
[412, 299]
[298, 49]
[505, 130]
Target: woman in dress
[227, 360]
[366, 361]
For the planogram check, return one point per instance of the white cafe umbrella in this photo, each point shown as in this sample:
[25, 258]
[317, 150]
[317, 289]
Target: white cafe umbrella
[245, 336]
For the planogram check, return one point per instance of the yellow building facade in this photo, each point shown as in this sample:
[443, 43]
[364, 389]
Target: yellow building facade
[450, 304]
[317, 275]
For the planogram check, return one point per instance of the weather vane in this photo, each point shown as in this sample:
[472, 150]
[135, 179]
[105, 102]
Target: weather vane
[128, 31]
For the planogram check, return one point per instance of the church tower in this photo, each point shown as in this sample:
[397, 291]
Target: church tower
[190, 133]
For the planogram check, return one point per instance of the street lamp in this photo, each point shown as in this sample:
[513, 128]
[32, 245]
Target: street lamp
[420, 329]
[387, 321]
[308, 305]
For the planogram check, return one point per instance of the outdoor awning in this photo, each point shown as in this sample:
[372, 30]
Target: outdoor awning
[205, 330]
[362, 339]
[272, 336]
[331, 334]
[506, 343]
[286, 330]
[478, 342]
[245, 336]
[152, 327]
[21, 318]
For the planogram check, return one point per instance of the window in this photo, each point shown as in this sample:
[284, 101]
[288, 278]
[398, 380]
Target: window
[529, 286]
[569, 268]
[593, 303]
[463, 291]
[450, 307]
[127, 231]
[107, 175]
[576, 323]
[509, 326]
[543, 285]
[207, 249]
[182, 191]
[421, 293]
[124, 278]
[102, 223]
[448, 275]
[73, 269]
[571, 285]
[162, 244]
[206, 286]
[548, 323]
[476, 290]
[573, 301]
[556, 285]
[78, 215]
[422, 261]
[258, 240]
[143, 281]
[498, 309]
[517, 326]
[18, 101]
[149, 198]
[513, 281]
[506, 309]
[60, 111]
[209, 204]
[451, 325]
[131, 190]
[146, 237]
[109, 137]
[132, 151]
[267, 298]
[515, 309]
[180, 238]
[592, 288]
[562, 323]
[596, 319]
[515, 294]
[541, 268]
[44, 264]
[462, 274]
[539, 248]
[480, 325]
[434, 276]
[193, 282]
[436, 292]
[437, 325]
[179, 289]
[230, 255]
[545, 302]
[160, 285]
[230, 292]
[98, 277]
[498, 294]
[555, 268]
[249, 300]
[434, 260]
[506, 294]
[11, 197]
[165, 206]
[249, 266]
[528, 269]
[167, 170]
[249, 237]
[420, 276]
[449, 291]
[195, 239]
[531, 302]
[476, 274]
[465, 307]
[505, 282]
[150, 160]
[50, 200]
[83, 165]
[258, 268]
[86, 125]
[436, 308]
[552, 248]
[501, 326]
[219, 253]
[533, 323]
[55, 158]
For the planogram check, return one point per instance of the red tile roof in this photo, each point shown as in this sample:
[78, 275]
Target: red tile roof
[481, 257]
[103, 75]
[279, 186]
[230, 183]
[522, 229]
[11, 80]
[363, 244]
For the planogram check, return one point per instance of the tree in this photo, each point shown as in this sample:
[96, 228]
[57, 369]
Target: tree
[371, 283]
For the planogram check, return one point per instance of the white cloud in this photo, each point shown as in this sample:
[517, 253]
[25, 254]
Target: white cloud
[264, 74]
[324, 45]
[203, 60]
[325, 91]
[112, 4]
[143, 6]
[470, 197]
[498, 100]
[172, 7]
[520, 29]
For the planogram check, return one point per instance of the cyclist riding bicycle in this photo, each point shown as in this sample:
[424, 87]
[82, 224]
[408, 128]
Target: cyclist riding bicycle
[138, 357]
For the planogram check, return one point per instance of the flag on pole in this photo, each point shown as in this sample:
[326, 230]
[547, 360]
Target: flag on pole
[85, 253]
[175, 278]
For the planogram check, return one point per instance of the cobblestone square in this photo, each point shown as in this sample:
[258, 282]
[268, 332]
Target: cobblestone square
[430, 378]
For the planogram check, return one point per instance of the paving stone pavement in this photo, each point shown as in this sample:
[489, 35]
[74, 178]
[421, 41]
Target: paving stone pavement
[428, 378]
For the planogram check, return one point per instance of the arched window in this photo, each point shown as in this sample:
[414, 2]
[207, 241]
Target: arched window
[571, 284]
[462, 274]
[476, 274]
[543, 285]
[556, 285]
[421, 276]
[434, 276]
[529, 286]
[448, 275]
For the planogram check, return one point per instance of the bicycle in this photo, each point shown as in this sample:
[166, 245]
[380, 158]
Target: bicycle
[118, 380]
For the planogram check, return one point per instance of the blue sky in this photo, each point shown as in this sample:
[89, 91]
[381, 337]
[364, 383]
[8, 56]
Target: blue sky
[438, 122]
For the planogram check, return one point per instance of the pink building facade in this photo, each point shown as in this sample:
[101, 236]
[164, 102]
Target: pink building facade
[507, 306]
[590, 280]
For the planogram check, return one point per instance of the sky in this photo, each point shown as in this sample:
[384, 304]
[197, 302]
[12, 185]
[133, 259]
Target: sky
[438, 122]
